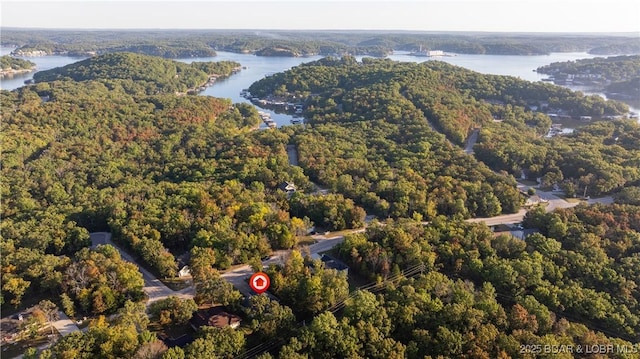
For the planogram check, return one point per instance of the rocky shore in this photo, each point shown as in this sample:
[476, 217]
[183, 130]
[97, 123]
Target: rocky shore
[4, 73]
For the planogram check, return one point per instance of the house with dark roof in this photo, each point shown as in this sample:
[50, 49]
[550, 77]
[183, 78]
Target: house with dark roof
[287, 187]
[214, 317]
[332, 263]
[180, 341]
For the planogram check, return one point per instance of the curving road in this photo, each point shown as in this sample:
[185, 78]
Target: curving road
[155, 289]
[238, 276]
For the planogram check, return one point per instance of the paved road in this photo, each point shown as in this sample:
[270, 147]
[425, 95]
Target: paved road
[64, 325]
[324, 245]
[557, 202]
[471, 141]
[602, 200]
[292, 153]
[239, 275]
[501, 219]
[155, 289]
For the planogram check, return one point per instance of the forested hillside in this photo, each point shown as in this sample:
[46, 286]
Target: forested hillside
[618, 75]
[613, 69]
[139, 73]
[376, 125]
[10, 66]
[486, 297]
[596, 159]
[107, 145]
[158, 171]
[191, 43]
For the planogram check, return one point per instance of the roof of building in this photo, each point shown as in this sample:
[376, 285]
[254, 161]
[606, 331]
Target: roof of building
[332, 263]
[214, 317]
[287, 186]
[180, 341]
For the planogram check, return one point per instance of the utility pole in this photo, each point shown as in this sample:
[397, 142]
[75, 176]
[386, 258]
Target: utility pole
[584, 195]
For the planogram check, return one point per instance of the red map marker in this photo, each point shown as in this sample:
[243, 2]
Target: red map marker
[259, 282]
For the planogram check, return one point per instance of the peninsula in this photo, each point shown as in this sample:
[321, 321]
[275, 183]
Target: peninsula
[10, 66]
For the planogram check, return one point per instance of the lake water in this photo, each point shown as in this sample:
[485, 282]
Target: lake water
[257, 67]
[42, 63]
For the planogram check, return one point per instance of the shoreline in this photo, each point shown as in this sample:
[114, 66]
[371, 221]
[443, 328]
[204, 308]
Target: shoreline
[4, 73]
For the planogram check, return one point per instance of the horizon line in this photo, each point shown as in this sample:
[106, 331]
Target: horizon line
[636, 33]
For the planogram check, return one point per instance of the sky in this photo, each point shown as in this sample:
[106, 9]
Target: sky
[416, 15]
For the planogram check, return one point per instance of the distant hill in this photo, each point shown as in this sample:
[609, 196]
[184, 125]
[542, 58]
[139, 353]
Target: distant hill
[153, 74]
[618, 76]
[201, 43]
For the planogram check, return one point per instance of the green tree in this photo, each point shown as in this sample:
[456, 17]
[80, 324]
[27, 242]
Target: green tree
[67, 305]
[174, 353]
[216, 343]
[17, 287]
[213, 289]
[133, 314]
[50, 311]
[172, 310]
[268, 318]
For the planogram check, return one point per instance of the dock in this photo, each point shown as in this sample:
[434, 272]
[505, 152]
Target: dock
[266, 118]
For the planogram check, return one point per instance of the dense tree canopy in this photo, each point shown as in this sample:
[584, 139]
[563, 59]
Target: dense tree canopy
[374, 135]
[612, 69]
[168, 174]
[595, 159]
[13, 63]
[190, 43]
[306, 286]
[152, 74]
[159, 171]
[619, 75]
[486, 296]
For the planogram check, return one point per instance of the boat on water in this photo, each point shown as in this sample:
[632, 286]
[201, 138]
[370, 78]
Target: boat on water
[270, 123]
[266, 118]
[429, 53]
